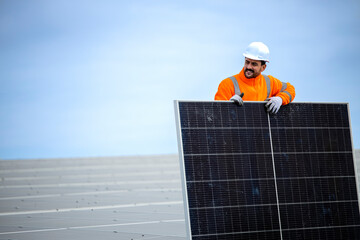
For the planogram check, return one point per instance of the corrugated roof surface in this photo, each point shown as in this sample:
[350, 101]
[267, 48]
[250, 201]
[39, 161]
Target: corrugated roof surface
[92, 198]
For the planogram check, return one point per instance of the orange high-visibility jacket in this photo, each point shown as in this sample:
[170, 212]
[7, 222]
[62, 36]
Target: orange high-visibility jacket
[255, 89]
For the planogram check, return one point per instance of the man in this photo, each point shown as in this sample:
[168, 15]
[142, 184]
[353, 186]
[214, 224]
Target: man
[251, 85]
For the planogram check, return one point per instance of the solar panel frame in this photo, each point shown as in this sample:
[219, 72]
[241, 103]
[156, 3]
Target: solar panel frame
[183, 170]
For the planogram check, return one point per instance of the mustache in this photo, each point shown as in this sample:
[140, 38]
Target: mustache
[249, 70]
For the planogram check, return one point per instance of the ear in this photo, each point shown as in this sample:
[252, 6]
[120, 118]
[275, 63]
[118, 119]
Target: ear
[263, 67]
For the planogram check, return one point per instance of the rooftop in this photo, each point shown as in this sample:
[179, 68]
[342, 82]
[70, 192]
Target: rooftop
[92, 198]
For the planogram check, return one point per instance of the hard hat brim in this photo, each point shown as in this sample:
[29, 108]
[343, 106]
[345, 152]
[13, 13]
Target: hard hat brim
[255, 57]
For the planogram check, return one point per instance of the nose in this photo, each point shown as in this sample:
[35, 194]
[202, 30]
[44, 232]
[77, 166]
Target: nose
[248, 66]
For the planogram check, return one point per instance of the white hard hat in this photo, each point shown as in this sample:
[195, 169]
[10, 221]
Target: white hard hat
[257, 51]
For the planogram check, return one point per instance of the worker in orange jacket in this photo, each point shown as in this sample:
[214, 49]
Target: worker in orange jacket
[251, 85]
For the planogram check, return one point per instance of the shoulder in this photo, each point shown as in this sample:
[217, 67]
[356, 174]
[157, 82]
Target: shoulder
[225, 90]
[272, 78]
[227, 81]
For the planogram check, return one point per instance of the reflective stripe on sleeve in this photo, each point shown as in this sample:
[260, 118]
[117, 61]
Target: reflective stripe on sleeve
[289, 95]
[236, 85]
[283, 86]
[268, 85]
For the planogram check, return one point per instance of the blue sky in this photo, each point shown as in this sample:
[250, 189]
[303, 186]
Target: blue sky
[98, 78]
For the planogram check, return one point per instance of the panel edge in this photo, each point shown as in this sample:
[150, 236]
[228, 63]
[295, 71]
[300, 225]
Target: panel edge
[354, 156]
[182, 169]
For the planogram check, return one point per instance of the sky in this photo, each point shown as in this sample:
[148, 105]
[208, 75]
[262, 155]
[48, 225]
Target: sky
[90, 78]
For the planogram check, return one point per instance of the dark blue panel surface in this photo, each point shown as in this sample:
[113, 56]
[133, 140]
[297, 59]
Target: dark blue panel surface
[231, 193]
[268, 235]
[250, 175]
[234, 220]
[229, 170]
[330, 233]
[299, 140]
[235, 166]
[315, 171]
[299, 165]
[228, 141]
[221, 114]
[319, 215]
[309, 115]
[324, 189]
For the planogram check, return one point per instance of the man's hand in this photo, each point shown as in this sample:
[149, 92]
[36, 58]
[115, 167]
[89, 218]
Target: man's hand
[273, 105]
[237, 99]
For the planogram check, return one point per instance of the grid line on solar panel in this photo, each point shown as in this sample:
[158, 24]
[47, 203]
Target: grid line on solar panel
[309, 164]
[322, 127]
[230, 193]
[202, 141]
[222, 234]
[318, 189]
[310, 128]
[241, 205]
[316, 177]
[330, 152]
[304, 203]
[263, 153]
[207, 115]
[330, 233]
[229, 180]
[226, 154]
[249, 128]
[221, 128]
[233, 219]
[325, 227]
[328, 214]
[311, 115]
[311, 140]
[268, 235]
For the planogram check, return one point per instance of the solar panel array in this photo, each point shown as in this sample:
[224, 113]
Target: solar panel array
[251, 175]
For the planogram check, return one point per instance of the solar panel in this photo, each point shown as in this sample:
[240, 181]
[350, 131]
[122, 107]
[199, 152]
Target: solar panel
[248, 174]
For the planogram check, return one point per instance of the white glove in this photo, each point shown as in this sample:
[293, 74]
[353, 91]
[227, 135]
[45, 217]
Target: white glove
[237, 99]
[273, 105]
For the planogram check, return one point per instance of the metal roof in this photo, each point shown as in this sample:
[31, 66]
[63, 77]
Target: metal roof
[92, 198]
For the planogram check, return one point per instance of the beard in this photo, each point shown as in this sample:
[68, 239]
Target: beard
[249, 73]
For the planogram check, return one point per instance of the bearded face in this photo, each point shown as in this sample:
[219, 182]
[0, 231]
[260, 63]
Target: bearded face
[253, 68]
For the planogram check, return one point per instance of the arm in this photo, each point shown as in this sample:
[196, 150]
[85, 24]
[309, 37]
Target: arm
[284, 90]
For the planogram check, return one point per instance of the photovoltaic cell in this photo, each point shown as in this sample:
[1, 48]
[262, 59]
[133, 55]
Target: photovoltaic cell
[251, 175]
